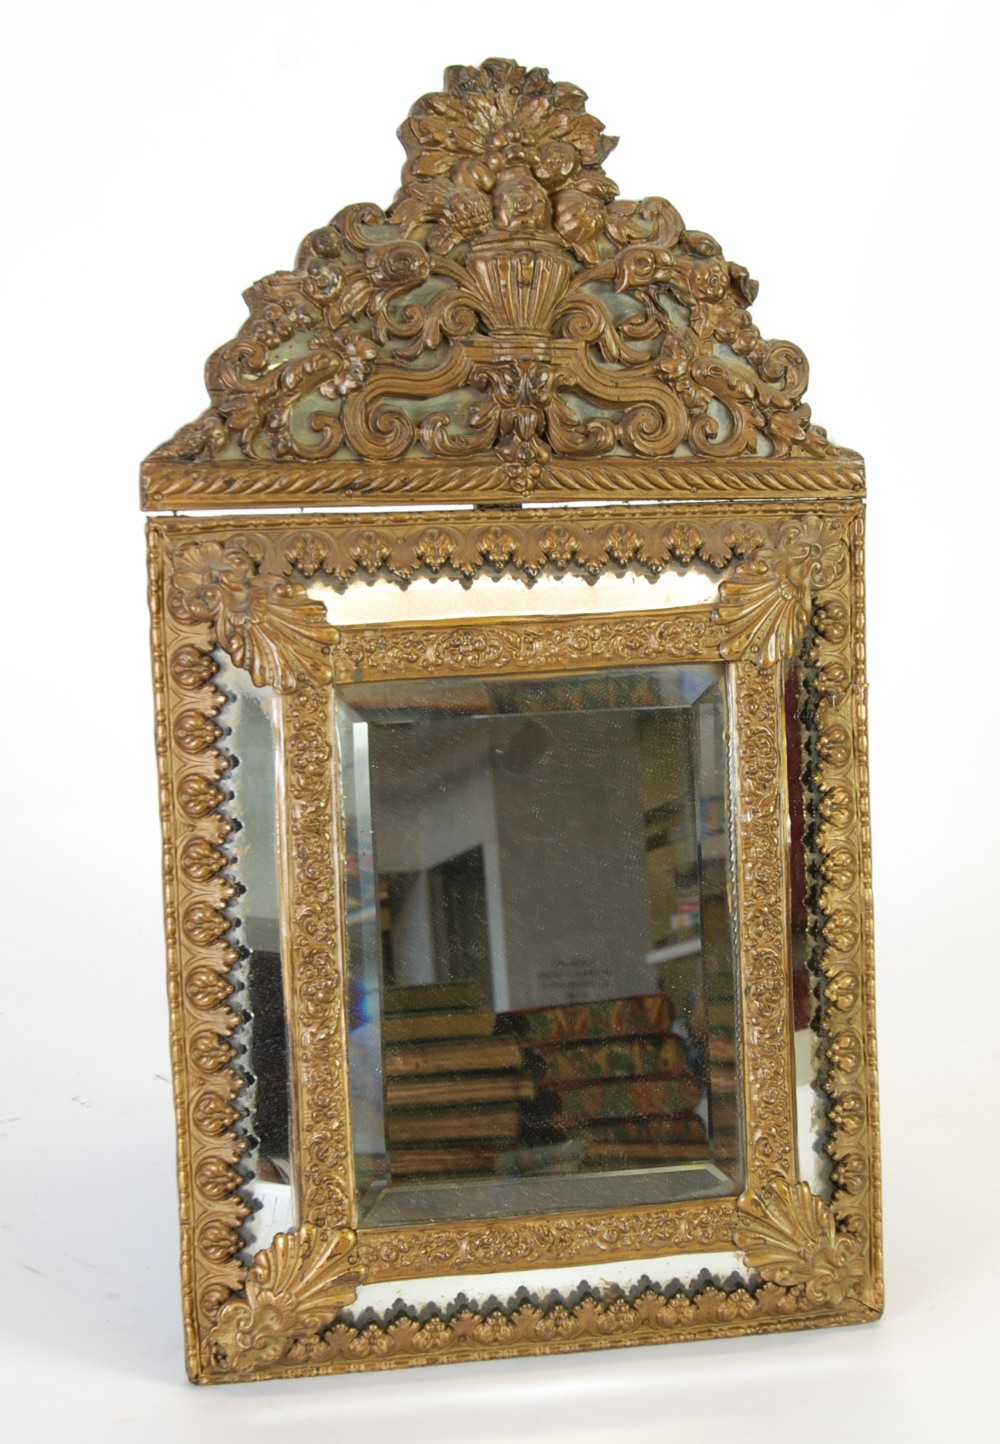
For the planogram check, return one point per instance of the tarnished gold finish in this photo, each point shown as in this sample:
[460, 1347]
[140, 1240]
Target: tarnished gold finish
[510, 329]
[403, 651]
[316, 959]
[549, 645]
[764, 925]
[525, 541]
[199, 957]
[268, 623]
[583, 1237]
[768, 601]
[846, 955]
[594, 1323]
[315, 968]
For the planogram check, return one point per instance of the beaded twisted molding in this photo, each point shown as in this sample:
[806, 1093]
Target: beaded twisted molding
[790, 580]
[509, 328]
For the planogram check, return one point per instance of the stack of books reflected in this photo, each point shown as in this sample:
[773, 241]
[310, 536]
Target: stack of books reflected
[599, 1085]
[613, 1073]
[719, 1026]
[453, 1087]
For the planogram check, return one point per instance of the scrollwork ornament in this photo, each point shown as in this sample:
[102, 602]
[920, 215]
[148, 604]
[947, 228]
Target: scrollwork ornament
[506, 266]
[770, 574]
[797, 1241]
[442, 651]
[317, 1014]
[591, 542]
[509, 328]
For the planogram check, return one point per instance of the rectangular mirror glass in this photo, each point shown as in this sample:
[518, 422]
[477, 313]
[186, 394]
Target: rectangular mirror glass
[540, 927]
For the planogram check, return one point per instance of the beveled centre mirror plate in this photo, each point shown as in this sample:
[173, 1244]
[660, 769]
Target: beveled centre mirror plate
[540, 931]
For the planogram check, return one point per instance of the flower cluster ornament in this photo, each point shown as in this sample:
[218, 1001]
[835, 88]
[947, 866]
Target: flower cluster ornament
[503, 146]
[508, 307]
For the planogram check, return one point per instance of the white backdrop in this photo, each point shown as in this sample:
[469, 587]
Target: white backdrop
[159, 159]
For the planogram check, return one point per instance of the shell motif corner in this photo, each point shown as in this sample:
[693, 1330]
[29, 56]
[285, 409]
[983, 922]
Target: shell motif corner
[293, 1290]
[791, 1237]
[767, 603]
[267, 624]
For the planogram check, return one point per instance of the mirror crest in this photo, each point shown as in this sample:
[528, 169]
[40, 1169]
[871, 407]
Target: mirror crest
[508, 311]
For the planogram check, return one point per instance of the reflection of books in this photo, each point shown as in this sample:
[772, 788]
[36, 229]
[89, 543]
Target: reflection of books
[725, 1115]
[632, 1153]
[610, 1058]
[476, 1055]
[642, 1016]
[431, 997]
[564, 1157]
[722, 1050]
[464, 1088]
[411, 1027]
[721, 1013]
[444, 1124]
[628, 1098]
[471, 1159]
[722, 1078]
[598, 1085]
[681, 1128]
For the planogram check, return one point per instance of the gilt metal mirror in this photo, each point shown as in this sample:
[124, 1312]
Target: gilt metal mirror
[508, 642]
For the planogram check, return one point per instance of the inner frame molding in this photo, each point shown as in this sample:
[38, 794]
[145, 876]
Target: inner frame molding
[508, 332]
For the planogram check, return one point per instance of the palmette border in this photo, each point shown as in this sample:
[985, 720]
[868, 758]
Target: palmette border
[843, 842]
[198, 896]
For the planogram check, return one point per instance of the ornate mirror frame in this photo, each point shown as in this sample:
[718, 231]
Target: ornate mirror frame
[574, 384]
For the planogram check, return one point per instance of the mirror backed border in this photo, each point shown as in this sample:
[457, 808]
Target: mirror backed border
[213, 583]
